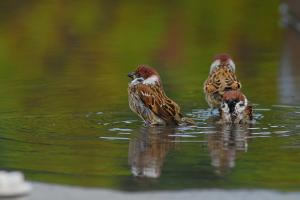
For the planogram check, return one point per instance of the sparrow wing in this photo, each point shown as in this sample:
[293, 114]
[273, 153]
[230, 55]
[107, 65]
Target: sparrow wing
[221, 80]
[155, 99]
[249, 112]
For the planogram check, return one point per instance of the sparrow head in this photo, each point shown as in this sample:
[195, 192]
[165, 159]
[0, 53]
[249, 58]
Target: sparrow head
[222, 60]
[145, 74]
[234, 103]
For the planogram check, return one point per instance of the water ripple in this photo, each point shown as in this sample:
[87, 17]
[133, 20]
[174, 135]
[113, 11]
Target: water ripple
[258, 136]
[286, 106]
[120, 129]
[262, 109]
[189, 141]
[114, 138]
[261, 133]
[281, 132]
[182, 135]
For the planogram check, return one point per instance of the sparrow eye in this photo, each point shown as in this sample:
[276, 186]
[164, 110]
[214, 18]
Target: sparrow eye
[140, 79]
[223, 105]
[242, 104]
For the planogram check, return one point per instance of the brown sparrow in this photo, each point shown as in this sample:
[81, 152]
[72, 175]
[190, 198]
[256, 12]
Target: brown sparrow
[234, 108]
[221, 78]
[148, 100]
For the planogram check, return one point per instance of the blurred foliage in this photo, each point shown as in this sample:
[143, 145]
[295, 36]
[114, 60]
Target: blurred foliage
[59, 53]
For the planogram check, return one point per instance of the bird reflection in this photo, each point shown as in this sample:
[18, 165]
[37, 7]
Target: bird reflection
[225, 143]
[148, 151]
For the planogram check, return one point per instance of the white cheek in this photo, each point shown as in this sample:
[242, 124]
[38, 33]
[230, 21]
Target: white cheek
[136, 81]
[231, 63]
[214, 65]
[152, 80]
[225, 108]
[239, 109]
[226, 115]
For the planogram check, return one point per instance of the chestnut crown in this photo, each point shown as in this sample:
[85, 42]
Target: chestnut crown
[235, 101]
[233, 95]
[146, 75]
[222, 59]
[145, 71]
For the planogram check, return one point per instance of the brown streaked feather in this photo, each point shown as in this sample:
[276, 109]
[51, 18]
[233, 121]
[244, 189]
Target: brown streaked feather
[249, 112]
[155, 99]
[221, 80]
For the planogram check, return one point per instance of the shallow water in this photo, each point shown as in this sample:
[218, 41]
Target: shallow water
[64, 115]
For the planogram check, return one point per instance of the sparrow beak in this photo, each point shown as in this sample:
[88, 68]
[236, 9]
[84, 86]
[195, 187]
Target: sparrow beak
[131, 75]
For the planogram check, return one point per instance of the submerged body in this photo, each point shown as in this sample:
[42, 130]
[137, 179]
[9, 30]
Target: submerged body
[222, 91]
[148, 100]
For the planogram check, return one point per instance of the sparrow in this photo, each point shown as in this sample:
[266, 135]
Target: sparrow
[234, 108]
[148, 100]
[221, 78]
